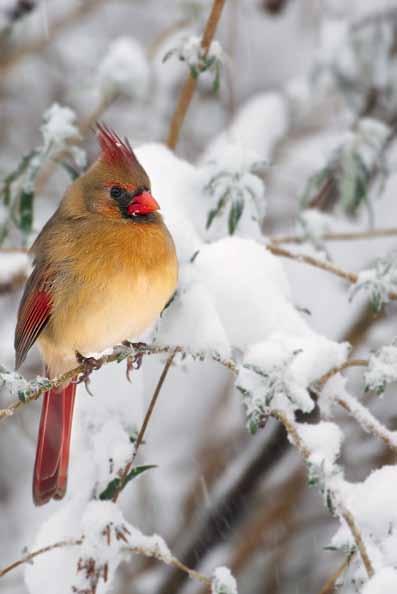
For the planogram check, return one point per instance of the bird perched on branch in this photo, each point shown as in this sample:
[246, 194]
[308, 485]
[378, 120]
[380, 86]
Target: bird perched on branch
[104, 268]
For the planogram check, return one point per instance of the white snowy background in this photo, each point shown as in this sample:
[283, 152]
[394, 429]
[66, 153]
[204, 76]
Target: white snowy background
[307, 88]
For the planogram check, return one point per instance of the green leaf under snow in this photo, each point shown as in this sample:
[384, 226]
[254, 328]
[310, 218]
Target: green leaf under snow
[235, 213]
[117, 484]
[26, 211]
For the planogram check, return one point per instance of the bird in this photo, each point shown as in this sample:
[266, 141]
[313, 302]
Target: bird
[104, 268]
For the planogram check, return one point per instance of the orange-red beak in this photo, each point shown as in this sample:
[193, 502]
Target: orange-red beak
[143, 203]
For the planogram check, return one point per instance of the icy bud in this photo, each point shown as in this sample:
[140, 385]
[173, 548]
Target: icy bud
[223, 582]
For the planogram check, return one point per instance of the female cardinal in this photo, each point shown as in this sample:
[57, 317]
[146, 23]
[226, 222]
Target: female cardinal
[104, 268]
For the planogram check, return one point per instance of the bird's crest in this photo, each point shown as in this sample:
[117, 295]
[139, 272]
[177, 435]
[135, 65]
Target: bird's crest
[115, 151]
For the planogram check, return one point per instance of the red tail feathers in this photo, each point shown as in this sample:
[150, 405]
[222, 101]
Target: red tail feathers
[52, 454]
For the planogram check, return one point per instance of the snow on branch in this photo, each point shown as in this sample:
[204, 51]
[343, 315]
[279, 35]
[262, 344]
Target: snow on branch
[29, 391]
[17, 189]
[320, 458]
[382, 369]
[334, 391]
[107, 540]
[198, 59]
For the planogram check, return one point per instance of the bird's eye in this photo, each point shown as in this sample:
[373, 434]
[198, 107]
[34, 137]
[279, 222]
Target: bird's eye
[116, 192]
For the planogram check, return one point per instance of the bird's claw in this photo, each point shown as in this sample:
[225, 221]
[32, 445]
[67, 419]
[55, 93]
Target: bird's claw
[90, 364]
[133, 361]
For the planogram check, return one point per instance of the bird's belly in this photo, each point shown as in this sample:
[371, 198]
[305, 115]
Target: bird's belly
[92, 320]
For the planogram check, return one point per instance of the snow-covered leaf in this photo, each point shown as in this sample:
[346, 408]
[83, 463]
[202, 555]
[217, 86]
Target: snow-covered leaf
[378, 281]
[382, 369]
[223, 582]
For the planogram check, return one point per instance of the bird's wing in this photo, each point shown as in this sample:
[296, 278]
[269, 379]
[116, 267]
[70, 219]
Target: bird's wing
[34, 312]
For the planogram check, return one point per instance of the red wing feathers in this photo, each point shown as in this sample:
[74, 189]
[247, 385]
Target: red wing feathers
[34, 313]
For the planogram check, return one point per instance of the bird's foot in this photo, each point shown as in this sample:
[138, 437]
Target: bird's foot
[90, 364]
[133, 361]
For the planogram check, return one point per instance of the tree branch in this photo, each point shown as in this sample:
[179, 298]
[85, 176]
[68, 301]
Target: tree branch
[329, 586]
[343, 236]
[345, 365]
[119, 353]
[341, 508]
[190, 84]
[350, 277]
[141, 434]
[131, 549]
[28, 558]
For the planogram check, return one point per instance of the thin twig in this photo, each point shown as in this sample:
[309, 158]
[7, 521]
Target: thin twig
[141, 434]
[350, 521]
[367, 421]
[350, 277]
[169, 560]
[329, 586]
[345, 365]
[190, 84]
[30, 556]
[343, 236]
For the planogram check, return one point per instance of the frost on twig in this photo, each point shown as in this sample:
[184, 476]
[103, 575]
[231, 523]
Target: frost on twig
[223, 582]
[198, 59]
[379, 281]
[124, 70]
[234, 190]
[18, 187]
[345, 180]
[382, 369]
[373, 503]
[18, 386]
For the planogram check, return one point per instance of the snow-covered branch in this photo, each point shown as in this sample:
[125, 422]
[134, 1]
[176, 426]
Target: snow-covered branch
[29, 391]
